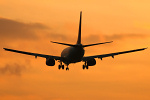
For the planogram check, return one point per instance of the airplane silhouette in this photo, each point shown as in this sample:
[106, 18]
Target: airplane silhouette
[74, 53]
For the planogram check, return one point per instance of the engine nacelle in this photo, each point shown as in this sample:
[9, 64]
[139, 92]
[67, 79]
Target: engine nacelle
[91, 62]
[50, 62]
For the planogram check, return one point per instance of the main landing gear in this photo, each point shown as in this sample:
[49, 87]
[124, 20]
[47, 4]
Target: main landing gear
[62, 66]
[85, 66]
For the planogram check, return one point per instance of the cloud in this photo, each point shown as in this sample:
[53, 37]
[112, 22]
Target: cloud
[102, 37]
[58, 36]
[124, 36]
[13, 69]
[11, 29]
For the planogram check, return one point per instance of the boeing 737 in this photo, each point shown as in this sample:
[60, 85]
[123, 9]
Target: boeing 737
[74, 53]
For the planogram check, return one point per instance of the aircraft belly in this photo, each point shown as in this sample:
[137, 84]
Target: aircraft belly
[72, 54]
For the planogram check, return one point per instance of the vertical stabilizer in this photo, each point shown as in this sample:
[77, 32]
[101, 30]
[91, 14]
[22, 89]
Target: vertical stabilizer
[79, 34]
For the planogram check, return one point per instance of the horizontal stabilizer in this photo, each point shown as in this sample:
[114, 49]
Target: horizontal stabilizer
[96, 44]
[63, 43]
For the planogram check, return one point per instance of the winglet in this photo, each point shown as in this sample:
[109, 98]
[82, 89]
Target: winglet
[79, 34]
[5, 48]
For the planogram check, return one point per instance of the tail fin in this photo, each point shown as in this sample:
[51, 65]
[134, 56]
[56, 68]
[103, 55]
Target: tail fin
[79, 34]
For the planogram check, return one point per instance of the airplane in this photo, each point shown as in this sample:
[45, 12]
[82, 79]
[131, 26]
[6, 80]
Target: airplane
[74, 53]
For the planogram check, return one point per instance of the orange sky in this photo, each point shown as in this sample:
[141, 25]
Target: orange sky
[31, 25]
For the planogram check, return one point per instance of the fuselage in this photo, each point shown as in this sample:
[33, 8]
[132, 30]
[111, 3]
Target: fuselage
[72, 54]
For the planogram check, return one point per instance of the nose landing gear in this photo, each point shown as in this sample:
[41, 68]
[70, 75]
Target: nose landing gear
[67, 68]
[60, 66]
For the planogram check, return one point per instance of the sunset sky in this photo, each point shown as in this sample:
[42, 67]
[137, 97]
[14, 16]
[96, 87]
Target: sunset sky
[30, 25]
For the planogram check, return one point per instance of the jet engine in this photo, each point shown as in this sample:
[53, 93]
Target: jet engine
[50, 62]
[91, 62]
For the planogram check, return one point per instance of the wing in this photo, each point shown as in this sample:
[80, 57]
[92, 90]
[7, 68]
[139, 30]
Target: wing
[111, 54]
[34, 54]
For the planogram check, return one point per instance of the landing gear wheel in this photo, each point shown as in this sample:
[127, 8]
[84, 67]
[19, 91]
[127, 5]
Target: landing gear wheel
[59, 66]
[83, 67]
[87, 67]
[62, 66]
[67, 68]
